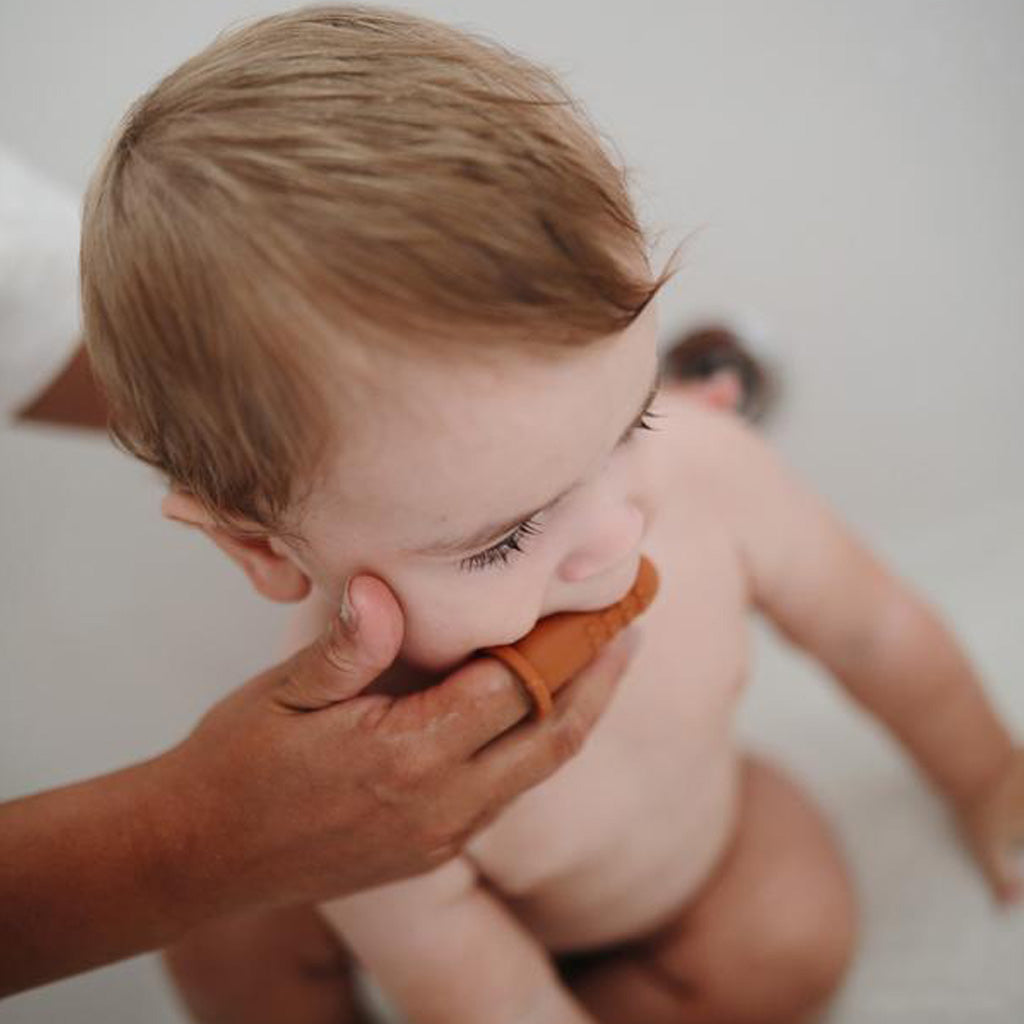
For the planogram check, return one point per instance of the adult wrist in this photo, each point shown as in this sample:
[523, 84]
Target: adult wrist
[178, 852]
[94, 872]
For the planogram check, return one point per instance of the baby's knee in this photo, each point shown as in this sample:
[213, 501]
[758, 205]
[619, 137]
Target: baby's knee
[801, 964]
[777, 961]
[783, 969]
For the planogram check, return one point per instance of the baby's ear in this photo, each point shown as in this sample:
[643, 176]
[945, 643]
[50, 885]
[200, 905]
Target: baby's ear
[268, 566]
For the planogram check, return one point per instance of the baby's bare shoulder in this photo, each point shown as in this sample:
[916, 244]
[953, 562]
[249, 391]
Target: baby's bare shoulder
[711, 454]
[716, 462]
[804, 566]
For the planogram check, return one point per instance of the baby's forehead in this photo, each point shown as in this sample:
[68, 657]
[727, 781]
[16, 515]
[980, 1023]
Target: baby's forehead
[424, 415]
[431, 448]
[440, 447]
[422, 395]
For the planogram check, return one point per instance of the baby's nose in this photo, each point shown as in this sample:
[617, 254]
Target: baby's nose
[612, 538]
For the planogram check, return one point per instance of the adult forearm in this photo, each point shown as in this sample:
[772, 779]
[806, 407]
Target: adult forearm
[916, 678]
[88, 875]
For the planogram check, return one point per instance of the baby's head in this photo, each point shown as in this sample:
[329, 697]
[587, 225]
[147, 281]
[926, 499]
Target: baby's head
[373, 297]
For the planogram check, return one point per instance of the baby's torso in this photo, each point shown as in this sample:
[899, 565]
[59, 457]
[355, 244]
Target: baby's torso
[612, 843]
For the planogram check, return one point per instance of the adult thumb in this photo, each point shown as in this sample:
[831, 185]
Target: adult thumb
[350, 653]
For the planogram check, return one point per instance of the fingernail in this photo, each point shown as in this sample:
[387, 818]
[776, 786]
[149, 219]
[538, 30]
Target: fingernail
[348, 615]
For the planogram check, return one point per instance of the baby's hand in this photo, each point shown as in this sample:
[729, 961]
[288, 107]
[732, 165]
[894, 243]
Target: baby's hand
[993, 826]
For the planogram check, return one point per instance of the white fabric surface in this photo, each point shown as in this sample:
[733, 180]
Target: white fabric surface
[39, 307]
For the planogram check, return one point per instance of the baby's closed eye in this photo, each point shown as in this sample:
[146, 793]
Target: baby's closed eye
[502, 551]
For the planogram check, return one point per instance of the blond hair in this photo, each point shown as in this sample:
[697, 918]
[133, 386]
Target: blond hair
[346, 171]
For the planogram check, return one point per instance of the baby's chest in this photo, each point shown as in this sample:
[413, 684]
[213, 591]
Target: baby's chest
[694, 650]
[655, 766]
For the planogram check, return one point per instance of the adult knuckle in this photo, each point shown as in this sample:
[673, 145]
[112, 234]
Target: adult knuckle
[337, 655]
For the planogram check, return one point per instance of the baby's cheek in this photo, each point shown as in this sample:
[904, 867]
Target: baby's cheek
[442, 633]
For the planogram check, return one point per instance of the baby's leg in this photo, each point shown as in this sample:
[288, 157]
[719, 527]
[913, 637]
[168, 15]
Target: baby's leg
[281, 966]
[766, 941]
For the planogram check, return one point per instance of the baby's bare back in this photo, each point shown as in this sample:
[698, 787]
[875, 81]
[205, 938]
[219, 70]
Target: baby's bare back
[612, 844]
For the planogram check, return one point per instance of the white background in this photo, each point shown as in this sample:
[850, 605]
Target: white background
[849, 176]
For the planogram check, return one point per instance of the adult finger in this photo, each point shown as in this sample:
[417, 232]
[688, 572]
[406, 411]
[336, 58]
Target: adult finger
[471, 707]
[349, 655]
[532, 752]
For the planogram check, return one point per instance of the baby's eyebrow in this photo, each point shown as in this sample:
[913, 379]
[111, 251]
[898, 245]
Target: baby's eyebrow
[494, 531]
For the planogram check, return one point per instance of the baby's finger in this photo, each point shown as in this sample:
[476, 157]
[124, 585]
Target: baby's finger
[1001, 868]
[1016, 891]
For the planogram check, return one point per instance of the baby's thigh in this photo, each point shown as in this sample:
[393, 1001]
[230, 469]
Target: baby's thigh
[768, 937]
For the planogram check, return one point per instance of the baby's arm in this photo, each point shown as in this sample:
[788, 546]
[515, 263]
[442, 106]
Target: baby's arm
[448, 952]
[890, 649]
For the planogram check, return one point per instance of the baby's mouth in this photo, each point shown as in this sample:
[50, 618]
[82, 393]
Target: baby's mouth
[405, 677]
[560, 645]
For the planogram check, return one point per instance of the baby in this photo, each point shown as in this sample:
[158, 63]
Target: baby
[373, 297]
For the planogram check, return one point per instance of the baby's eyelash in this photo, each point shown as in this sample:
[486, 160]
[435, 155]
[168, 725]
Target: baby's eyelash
[502, 551]
[642, 424]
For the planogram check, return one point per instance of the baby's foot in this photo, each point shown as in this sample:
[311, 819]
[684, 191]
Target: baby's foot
[718, 368]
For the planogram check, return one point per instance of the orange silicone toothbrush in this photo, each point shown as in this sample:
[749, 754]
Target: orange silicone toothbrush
[562, 644]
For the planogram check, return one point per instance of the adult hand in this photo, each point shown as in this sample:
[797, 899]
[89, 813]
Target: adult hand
[300, 787]
[294, 788]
